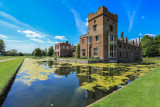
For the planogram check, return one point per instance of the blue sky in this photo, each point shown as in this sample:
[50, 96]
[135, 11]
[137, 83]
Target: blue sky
[28, 24]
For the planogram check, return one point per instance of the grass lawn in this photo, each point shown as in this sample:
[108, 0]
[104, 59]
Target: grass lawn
[144, 92]
[7, 70]
[5, 57]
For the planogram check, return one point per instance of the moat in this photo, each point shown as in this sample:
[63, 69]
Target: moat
[50, 83]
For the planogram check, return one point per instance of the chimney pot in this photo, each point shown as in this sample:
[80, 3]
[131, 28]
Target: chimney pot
[122, 34]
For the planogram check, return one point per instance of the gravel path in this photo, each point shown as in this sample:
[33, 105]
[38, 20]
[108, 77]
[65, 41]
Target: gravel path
[6, 60]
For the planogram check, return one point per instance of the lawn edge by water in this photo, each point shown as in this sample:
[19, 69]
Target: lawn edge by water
[137, 93]
[11, 72]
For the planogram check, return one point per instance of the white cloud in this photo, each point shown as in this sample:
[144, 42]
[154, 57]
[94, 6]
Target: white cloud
[3, 36]
[52, 42]
[140, 34]
[21, 47]
[32, 34]
[14, 41]
[80, 24]
[134, 39]
[131, 20]
[18, 31]
[37, 40]
[142, 17]
[86, 23]
[11, 21]
[60, 37]
[151, 35]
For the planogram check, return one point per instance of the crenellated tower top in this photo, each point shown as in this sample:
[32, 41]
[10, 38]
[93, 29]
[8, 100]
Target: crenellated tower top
[102, 11]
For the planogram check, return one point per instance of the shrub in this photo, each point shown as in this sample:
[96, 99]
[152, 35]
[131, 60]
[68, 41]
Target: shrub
[83, 57]
[94, 57]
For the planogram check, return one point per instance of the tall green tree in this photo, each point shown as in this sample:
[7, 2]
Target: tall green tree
[50, 51]
[78, 50]
[146, 43]
[2, 46]
[37, 52]
[43, 52]
[21, 54]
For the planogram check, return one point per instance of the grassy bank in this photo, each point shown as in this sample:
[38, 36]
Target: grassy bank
[7, 70]
[143, 92]
[5, 57]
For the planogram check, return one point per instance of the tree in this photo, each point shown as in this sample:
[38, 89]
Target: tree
[78, 50]
[43, 53]
[2, 46]
[21, 54]
[37, 52]
[50, 51]
[146, 43]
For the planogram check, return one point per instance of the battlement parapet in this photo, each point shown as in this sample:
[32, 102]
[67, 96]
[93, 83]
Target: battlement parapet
[102, 11]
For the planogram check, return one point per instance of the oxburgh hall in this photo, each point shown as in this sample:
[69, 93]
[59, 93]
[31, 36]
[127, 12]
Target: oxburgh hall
[102, 40]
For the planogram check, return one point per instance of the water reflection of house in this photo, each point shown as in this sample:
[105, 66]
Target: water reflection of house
[63, 71]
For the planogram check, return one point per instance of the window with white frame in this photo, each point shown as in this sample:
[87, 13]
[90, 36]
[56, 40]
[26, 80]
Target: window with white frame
[95, 51]
[113, 50]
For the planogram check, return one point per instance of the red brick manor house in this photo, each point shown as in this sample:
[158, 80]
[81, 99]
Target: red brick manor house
[102, 40]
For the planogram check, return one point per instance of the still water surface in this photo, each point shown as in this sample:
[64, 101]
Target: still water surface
[48, 83]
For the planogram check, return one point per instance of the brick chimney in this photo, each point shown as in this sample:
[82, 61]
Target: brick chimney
[136, 42]
[139, 41]
[67, 42]
[122, 34]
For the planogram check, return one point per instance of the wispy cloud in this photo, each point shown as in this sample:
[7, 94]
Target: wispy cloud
[131, 19]
[142, 17]
[86, 23]
[14, 41]
[140, 34]
[11, 21]
[60, 37]
[80, 24]
[151, 35]
[32, 34]
[14, 20]
[52, 42]
[37, 40]
[18, 31]
[3, 36]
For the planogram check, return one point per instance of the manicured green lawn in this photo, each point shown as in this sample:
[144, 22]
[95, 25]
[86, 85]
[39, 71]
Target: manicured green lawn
[5, 57]
[144, 92]
[7, 70]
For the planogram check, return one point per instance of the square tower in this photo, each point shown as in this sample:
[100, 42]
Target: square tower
[101, 38]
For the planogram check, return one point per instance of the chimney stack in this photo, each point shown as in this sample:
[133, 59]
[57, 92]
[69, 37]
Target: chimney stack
[133, 42]
[67, 42]
[136, 42]
[122, 34]
[139, 41]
